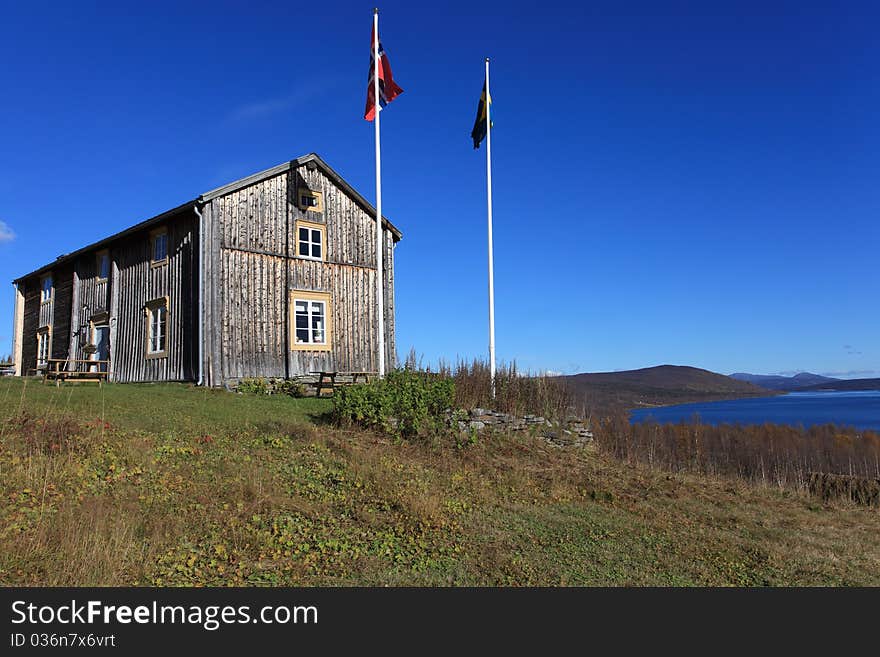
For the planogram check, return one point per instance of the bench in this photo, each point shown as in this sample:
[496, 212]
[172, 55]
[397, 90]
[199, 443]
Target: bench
[56, 370]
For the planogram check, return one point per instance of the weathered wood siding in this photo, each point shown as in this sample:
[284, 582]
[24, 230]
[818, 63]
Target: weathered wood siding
[91, 297]
[134, 282]
[31, 290]
[62, 301]
[79, 296]
[54, 314]
[251, 267]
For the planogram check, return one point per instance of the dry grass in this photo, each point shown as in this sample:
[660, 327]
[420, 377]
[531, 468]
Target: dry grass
[773, 454]
[517, 393]
[210, 492]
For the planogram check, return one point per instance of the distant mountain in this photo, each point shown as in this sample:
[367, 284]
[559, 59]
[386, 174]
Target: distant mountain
[656, 386]
[845, 384]
[785, 383]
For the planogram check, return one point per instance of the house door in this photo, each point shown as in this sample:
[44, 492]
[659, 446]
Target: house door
[101, 340]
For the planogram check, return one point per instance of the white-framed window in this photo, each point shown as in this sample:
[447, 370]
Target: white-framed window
[311, 322]
[310, 238]
[159, 247]
[42, 347]
[157, 327]
[46, 288]
[103, 265]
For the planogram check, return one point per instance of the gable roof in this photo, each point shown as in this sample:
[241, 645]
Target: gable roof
[215, 193]
[287, 166]
[68, 257]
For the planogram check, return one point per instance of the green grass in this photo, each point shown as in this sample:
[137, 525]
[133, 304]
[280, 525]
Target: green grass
[175, 485]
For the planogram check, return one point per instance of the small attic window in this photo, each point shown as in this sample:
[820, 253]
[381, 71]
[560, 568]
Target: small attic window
[159, 247]
[307, 199]
[103, 265]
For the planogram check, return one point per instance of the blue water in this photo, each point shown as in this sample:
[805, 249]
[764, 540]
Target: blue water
[859, 409]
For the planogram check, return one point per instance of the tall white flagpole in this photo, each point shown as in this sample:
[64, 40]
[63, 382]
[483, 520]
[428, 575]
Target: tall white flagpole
[380, 278]
[489, 206]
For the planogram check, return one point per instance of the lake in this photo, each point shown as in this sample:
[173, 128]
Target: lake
[860, 409]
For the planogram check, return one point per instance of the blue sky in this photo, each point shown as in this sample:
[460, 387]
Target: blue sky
[680, 182]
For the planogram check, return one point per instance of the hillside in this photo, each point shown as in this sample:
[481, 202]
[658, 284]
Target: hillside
[784, 383]
[845, 384]
[223, 489]
[655, 386]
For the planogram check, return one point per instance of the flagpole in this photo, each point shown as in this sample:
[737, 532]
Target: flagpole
[380, 278]
[489, 215]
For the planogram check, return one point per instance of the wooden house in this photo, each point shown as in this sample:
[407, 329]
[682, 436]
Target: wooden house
[273, 275]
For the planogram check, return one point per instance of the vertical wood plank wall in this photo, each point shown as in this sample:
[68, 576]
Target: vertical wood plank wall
[80, 297]
[31, 290]
[134, 282]
[252, 266]
[62, 302]
[91, 298]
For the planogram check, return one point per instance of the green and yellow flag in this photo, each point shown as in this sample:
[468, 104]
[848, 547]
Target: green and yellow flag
[478, 134]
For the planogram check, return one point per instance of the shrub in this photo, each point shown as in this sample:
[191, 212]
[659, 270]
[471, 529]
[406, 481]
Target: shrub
[406, 403]
[256, 386]
[262, 386]
[289, 387]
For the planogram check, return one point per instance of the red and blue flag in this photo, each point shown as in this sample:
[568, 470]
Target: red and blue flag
[388, 89]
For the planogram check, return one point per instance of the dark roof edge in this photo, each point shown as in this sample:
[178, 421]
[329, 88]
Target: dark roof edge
[287, 166]
[214, 193]
[67, 257]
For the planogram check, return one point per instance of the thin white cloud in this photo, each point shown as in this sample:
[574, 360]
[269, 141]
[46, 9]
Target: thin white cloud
[260, 109]
[6, 234]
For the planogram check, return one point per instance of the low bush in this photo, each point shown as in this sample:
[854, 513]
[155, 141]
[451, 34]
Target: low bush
[406, 403]
[260, 386]
[290, 387]
[255, 386]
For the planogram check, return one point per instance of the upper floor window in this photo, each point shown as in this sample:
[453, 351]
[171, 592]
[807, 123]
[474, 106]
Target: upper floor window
[310, 238]
[46, 288]
[157, 327]
[159, 246]
[308, 199]
[103, 265]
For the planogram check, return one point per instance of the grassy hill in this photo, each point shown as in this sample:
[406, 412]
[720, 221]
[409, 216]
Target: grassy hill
[174, 485]
[655, 386]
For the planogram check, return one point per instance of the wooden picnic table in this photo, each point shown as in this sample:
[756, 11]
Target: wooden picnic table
[327, 379]
[320, 385]
[56, 370]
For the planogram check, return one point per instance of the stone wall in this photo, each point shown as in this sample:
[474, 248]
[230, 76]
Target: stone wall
[573, 432]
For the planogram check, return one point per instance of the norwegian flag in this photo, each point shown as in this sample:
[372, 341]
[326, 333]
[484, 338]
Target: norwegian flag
[388, 89]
